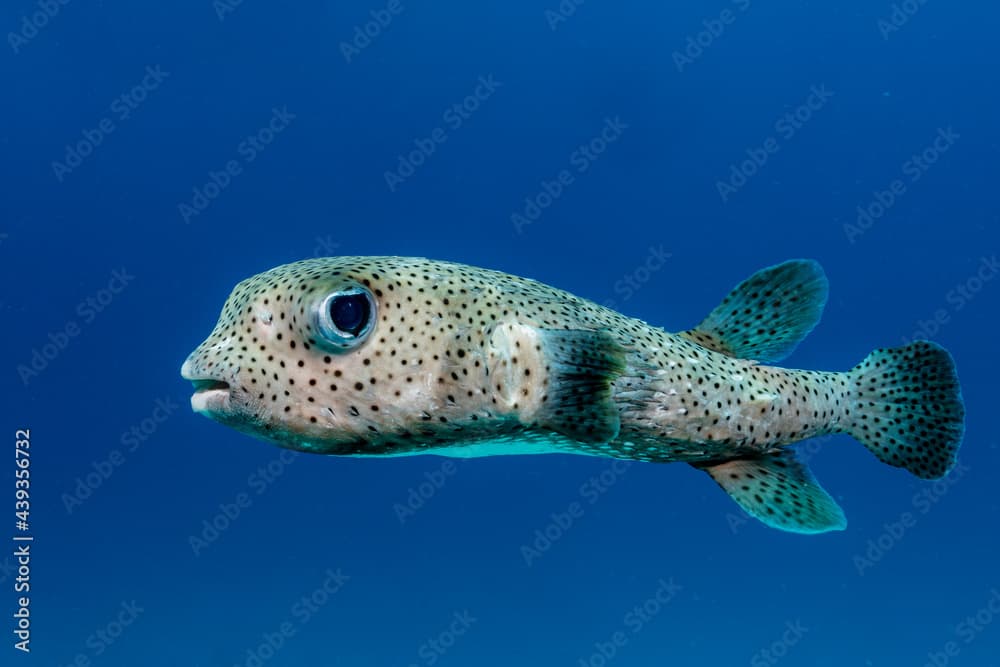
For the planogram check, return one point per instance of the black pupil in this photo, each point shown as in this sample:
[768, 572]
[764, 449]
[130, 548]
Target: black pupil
[350, 313]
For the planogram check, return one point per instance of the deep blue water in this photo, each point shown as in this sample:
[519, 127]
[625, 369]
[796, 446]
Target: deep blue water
[140, 184]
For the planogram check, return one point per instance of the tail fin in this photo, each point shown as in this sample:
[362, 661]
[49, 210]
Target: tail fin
[908, 408]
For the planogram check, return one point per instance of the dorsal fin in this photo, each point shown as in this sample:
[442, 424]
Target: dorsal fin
[780, 491]
[768, 315]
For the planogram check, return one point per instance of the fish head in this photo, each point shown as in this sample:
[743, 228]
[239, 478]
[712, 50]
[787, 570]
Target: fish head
[343, 355]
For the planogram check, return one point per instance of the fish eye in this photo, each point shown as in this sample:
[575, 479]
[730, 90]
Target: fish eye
[346, 317]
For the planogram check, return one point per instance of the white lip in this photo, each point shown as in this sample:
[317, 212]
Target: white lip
[210, 401]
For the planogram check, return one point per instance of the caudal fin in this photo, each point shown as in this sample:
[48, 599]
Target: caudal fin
[908, 408]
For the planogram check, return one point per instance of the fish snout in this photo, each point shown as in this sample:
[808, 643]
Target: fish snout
[212, 392]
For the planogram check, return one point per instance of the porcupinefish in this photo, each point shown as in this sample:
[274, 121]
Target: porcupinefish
[391, 356]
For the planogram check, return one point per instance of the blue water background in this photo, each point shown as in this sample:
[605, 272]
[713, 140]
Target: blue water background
[874, 595]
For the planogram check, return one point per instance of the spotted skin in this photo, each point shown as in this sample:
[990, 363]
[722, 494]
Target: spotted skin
[461, 355]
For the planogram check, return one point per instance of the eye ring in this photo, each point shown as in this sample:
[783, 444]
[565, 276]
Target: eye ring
[345, 318]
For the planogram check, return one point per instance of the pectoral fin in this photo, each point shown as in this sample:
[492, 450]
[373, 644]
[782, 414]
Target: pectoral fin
[780, 491]
[581, 366]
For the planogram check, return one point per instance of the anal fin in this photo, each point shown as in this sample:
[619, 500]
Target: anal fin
[779, 491]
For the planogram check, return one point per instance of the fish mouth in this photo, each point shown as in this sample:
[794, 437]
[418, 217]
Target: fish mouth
[210, 397]
[208, 384]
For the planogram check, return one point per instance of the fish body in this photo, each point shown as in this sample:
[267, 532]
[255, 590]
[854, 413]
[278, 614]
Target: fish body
[391, 356]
